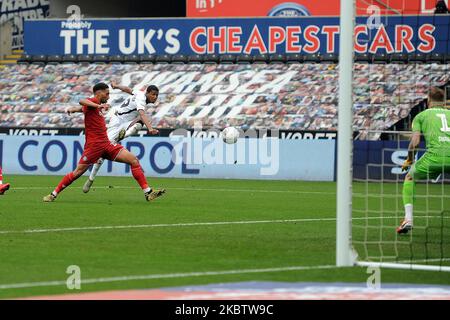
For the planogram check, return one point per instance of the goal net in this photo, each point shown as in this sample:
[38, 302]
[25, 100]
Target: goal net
[378, 207]
[387, 92]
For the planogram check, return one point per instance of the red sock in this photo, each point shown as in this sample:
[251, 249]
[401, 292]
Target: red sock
[138, 174]
[65, 182]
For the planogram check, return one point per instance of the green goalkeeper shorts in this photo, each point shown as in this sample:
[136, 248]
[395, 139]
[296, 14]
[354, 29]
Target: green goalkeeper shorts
[429, 166]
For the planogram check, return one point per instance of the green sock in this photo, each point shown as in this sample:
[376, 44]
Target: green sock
[408, 192]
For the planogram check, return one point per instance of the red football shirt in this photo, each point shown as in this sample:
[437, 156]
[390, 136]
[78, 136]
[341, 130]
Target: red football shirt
[94, 125]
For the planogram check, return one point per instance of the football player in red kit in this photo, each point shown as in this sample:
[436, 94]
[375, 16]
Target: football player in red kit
[3, 187]
[98, 145]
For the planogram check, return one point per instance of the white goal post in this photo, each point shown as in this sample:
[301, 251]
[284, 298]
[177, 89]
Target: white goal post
[344, 255]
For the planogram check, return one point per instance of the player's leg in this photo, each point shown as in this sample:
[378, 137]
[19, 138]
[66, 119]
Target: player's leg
[126, 156]
[129, 129]
[67, 181]
[133, 128]
[3, 187]
[421, 170]
[90, 180]
[113, 132]
[408, 193]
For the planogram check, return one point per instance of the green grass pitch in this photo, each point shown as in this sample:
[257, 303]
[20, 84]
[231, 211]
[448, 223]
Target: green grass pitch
[178, 234]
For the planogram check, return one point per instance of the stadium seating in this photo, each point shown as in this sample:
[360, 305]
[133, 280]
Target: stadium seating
[195, 59]
[227, 59]
[277, 58]
[37, 95]
[131, 59]
[147, 58]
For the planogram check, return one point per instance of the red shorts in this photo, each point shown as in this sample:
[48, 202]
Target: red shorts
[92, 153]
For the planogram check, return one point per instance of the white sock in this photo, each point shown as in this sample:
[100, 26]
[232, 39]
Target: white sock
[95, 169]
[54, 193]
[133, 130]
[409, 212]
[1, 182]
[147, 190]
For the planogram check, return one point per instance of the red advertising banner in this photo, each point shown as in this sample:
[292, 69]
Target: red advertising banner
[289, 8]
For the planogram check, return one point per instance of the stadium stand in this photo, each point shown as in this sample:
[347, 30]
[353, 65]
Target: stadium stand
[36, 95]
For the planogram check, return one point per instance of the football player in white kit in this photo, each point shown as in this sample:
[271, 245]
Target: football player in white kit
[127, 120]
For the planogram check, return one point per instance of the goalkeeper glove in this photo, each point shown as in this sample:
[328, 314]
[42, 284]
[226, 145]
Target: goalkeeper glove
[406, 164]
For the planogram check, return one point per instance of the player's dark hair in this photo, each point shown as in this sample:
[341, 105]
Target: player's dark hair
[152, 88]
[100, 86]
[437, 95]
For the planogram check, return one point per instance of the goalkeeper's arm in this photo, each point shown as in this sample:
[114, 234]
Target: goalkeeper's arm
[413, 144]
[412, 149]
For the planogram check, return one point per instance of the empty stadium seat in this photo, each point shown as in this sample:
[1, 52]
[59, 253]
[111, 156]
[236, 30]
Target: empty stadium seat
[195, 59]
[261, 59]
[329, 58]
[54, 59]
[101, 59]
[244, 59]
[311, 58]
[211, 59]
[418, 58]
[363, 58]
[163, 59]
[131, 59]
[179, 59]
[69, 58]
[147, 59]
[227, 59]
[24, 59]
[380, 58]
[116, 59]
[294, 58]
[39, 59]
[85, 58]
[277, 58]
[436, 58]
[398, 58]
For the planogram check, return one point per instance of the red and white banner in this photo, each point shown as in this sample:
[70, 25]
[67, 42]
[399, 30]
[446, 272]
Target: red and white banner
[283, 8]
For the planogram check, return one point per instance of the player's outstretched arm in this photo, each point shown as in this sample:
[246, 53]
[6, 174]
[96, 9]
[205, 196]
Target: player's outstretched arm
[146, 121]
[126, 89]
[74, 110]
[89, 103]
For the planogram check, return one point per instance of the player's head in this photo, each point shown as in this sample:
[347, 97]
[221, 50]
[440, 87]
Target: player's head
[101, 92]
[436, 97]
[152, 93]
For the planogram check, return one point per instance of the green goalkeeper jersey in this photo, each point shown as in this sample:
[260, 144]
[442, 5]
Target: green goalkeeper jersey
[433, 124]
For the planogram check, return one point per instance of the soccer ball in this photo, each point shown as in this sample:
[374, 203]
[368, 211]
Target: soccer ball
[230, 135]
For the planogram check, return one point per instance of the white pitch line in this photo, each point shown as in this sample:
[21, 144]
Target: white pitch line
[163, 276]
[187, 224]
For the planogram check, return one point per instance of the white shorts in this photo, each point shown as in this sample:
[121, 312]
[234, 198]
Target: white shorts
[116, 125]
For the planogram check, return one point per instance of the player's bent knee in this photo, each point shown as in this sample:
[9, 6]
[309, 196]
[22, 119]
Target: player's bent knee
[134, 162]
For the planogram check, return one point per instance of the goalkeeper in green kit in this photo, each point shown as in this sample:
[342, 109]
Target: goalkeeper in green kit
[433, 124]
